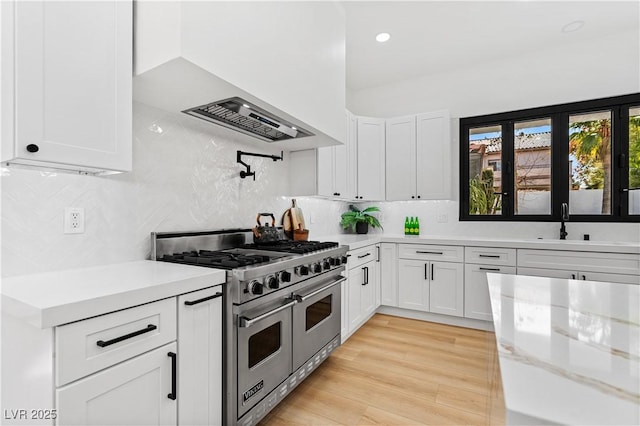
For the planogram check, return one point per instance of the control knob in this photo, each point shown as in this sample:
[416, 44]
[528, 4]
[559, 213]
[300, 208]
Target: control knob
[303, 270]
[326, 265]
[316, 268]
[256, 287]
[285, 276]
[272, 282]
[344, 260]
[337, 261]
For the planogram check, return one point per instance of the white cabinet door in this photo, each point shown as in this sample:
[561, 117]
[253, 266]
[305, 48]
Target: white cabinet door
[134, 392]
[433, 156]
[325, 171]
[413, 284]
[446, 289]
[371, 162]
[200, 360]
[354, 308]
[73, 76]
[477, 303]
[388, 274]
[401, 158]
[368, 301]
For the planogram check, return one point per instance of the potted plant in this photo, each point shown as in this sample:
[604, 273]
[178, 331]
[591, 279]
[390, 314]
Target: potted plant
[359, 220]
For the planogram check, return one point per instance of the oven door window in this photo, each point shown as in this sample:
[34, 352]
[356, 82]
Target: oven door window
[318, 312]
[263, 344]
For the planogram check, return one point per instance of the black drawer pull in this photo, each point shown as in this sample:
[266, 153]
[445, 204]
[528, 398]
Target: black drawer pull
[149, 328]
[492, 256]
[173, 395]
[429, 252]
[204, 299]
[490, 269]
[364, 255]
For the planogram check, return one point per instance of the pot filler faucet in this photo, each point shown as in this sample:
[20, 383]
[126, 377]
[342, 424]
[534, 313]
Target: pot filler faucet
[564, 217]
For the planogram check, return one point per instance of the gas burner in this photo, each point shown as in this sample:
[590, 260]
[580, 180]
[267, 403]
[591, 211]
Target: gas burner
[216, 259]
[297, 247]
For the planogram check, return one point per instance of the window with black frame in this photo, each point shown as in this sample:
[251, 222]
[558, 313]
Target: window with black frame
[523, 165]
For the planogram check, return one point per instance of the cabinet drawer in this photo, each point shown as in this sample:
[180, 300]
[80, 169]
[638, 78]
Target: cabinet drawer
[87, 346]
[361, 256]
[431, 252]
[615, 263]
[490, 256]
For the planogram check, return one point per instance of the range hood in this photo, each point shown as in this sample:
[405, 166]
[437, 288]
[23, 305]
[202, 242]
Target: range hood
[181, 86]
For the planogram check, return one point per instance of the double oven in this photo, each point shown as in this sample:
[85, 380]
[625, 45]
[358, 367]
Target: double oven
[281, 311]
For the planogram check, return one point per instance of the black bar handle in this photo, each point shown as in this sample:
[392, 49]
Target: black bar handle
[174, 358]
[584, 278]
[204, 299]
[426, 273]
[378, 248]
[367, 271]
[433, 277]
[492, 256]
[489, 269]
[428, 252]
[364, 255]
[573, 276]
[103, 344]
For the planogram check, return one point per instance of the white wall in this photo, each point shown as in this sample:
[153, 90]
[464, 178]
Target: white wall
[183, 179]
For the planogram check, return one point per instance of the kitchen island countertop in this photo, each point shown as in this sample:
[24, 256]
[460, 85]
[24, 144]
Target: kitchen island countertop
[55, 298]
[569, 350]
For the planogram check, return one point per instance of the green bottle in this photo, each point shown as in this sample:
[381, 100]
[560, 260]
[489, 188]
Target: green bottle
[412, 226]
[417, 228]
[406, 225]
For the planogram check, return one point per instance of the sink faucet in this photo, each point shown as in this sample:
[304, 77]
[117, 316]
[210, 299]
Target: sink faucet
[564, 217]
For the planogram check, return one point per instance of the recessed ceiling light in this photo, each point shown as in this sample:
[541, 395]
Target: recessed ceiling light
[382, 37]
[573, 26]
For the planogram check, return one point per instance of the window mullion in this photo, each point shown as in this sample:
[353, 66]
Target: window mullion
[560, 162]
[508, 171]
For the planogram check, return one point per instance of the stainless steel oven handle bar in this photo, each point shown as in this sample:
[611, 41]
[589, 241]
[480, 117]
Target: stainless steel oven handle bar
[248, 322]
[306, 297]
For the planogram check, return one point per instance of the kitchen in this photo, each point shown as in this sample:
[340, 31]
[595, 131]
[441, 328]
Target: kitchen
[185, 174]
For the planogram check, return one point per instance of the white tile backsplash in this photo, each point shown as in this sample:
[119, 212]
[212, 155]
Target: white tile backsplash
[185, 177]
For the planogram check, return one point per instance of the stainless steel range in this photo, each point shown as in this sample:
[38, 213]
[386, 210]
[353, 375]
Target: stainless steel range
[281, 311]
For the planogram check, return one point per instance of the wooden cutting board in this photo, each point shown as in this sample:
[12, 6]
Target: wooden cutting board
[297, 219]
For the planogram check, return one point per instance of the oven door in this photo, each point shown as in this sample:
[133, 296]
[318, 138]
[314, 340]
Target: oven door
[264, 353]
[316, 319]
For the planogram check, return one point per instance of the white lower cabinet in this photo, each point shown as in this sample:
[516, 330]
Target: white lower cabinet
[388, 274]
[136, 392]
[361, 291]
[477, 303]
[430, 286]
[200, 361]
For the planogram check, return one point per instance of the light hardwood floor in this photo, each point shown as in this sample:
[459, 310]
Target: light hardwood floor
[397, 371]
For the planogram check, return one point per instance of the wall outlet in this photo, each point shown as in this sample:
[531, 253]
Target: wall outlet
[443, 218]
[73, 220]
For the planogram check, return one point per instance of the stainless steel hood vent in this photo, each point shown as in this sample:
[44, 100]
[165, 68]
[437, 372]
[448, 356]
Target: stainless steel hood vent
[241, 115]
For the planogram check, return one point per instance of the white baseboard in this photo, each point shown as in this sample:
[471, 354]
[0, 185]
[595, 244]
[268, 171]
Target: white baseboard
[439, 318]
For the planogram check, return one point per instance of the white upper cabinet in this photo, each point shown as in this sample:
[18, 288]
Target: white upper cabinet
[333, 172]
[401, 158]
[418, 157]
[371, 159]
[433, 156]
[71, 87]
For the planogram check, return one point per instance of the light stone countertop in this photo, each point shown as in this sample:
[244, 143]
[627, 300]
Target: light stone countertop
[569, 350]
[54, 298]
[355, 241]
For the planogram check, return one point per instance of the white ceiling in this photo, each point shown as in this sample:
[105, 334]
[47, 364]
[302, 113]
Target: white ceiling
[433, 37]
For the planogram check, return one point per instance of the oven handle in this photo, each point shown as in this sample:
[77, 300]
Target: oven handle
[306, 297]
[248, 322]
